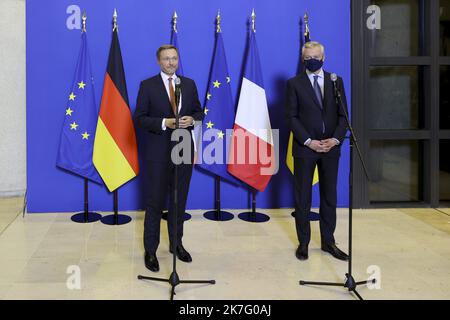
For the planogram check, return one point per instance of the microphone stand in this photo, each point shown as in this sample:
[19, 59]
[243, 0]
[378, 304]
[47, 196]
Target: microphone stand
[350, 282]
[174, 279]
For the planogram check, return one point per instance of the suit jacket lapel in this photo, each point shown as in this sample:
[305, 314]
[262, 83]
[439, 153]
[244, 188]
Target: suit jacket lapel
[309, 89]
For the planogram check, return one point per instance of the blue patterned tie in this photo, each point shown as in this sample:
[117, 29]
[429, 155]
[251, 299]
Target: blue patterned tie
[318, 92]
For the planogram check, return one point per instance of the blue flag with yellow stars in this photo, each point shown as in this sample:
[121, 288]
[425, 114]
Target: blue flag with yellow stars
[174, 42]
[219, 116]
[80, 121]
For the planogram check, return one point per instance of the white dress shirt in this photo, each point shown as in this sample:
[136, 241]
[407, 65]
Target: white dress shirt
[320, 79]
[165, 78]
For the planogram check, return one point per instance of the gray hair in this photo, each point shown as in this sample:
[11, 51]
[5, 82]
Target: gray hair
[313, 44]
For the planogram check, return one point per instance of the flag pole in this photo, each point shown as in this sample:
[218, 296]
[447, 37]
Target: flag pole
[174, 22]
[84, 18]
[253, 216]
[86, 216]
[253, 21]
[116, 219]
[116, 206]
[218, 214]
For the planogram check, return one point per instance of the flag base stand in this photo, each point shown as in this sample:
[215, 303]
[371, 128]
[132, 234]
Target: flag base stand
[116, 218]
[186, 216]
[86, 216]
[218, 214]
[253, 216]
[313, 216]
[82, 217]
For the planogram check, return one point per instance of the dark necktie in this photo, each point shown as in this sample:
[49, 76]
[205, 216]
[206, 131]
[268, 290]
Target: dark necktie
[172, 96]
[318, 92]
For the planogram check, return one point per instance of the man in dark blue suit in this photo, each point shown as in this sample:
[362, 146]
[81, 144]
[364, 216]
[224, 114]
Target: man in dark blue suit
[155, 114]
[319, 127]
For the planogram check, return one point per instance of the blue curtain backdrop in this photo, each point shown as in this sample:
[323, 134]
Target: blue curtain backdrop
[52, 49]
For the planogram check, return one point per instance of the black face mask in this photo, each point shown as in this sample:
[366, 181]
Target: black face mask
[313, 64]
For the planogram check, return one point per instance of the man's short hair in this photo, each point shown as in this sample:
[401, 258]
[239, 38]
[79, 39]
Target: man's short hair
[313, 44]
[165, 47]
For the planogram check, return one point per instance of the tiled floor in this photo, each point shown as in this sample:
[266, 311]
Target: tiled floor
[408, 248]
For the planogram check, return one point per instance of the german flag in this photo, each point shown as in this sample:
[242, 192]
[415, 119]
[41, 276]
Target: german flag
[115, 150]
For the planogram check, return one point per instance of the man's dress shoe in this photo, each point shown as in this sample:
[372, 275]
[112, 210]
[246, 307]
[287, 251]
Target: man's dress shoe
[302, 252]
[151, 262]
[334, 251]
[182, 254]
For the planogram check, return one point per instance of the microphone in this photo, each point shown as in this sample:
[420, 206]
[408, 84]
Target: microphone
[177, 91]
[334, 80]
[333, 77]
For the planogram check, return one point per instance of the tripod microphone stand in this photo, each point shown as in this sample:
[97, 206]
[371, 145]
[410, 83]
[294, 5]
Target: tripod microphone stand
[350, 282]
[174, 279]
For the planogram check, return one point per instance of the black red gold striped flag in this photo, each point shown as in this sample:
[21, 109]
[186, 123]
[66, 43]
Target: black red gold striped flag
[115, 150]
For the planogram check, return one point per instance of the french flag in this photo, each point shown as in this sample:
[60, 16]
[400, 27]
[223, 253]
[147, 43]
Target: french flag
[252, 149]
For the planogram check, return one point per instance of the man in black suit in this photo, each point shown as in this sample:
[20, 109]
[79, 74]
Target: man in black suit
[155, 114]
[319, 127]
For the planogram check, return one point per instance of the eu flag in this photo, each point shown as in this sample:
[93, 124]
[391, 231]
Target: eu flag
[80, 121]
[174, 42]
[219, 116]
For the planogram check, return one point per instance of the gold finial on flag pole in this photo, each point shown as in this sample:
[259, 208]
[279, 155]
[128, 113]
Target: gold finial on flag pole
[253, 20]
[219, 19]
[115, 26]
[174, 22]
[84, 18]
[306, 18]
